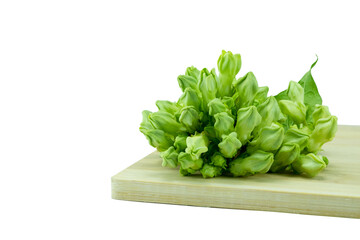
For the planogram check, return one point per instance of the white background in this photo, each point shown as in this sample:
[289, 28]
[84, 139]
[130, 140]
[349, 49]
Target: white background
[75, 76]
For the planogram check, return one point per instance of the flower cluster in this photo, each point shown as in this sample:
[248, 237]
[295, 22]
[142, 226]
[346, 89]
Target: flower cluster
[223, 125]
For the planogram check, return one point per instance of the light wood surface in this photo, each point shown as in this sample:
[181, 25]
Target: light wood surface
[334, 192]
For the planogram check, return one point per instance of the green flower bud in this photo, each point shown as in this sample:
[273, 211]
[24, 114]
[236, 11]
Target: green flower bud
[207, 86]
[193, 72]
[296, 110]
[167, 106]
[218, 160]
[309, 165]
[145, 124]
[210, 131]
[196, 145]
[224, 124]
[247, 87]
[209, 171]
[204, 73]
[270, 139]
[229, 145]
[261, 95]
[180, 143]
[295, 136]
[229, 65]
[213, 72]
[187, 82]
[170, 157]
[324, 132]
[306, 129]
[247, 119]
[190, 98]
[295, 92]
[229, 102]
[188, 163]
[158, 139]
[269, 111]
[166, 122]
[258, 162]
[217, 106]
[325, 159]
[286, 155]
[190, 118]
[320, 112]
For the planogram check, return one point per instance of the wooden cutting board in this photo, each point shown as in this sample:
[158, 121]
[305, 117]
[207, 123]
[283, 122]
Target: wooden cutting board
[334, 192]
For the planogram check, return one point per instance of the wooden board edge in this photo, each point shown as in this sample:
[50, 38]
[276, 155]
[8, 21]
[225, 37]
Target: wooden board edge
[246, 199]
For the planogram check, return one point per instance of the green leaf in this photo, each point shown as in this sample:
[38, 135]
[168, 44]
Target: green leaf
[311, 93]
[282, 96]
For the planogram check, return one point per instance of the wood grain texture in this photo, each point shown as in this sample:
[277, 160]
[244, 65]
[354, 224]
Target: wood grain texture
[334, 192]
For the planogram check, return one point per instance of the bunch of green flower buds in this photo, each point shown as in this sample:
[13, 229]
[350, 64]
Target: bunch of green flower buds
[223, 125]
